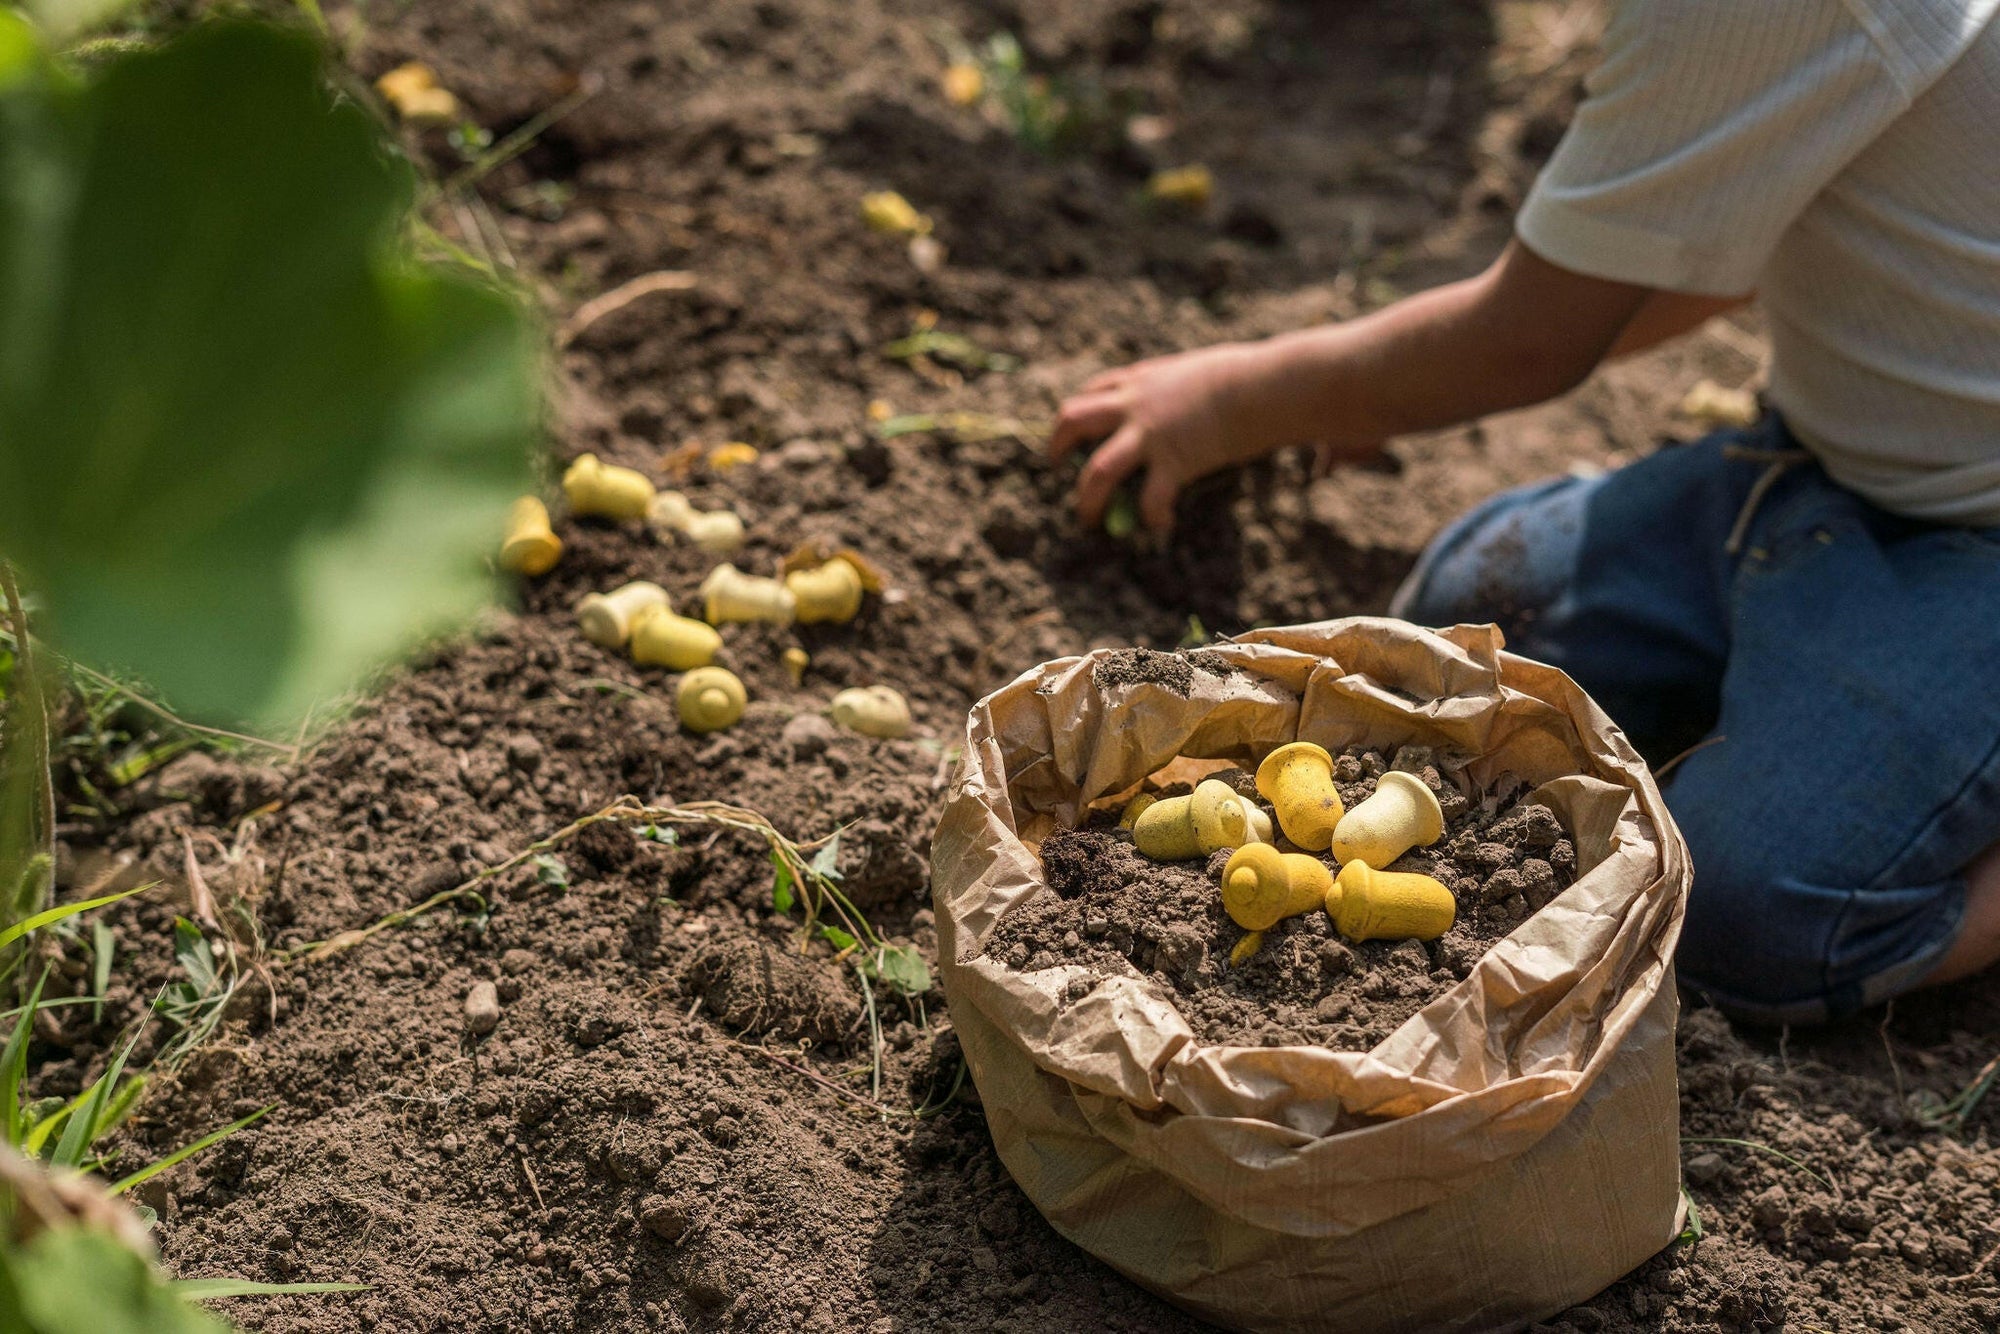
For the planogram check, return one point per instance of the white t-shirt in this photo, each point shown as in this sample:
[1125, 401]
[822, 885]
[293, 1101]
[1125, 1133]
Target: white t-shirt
[1842, 157]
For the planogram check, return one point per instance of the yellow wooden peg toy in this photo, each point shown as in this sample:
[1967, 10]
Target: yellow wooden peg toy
[1262, 886]
[606, 490]
[1298, 782]
[728, 594]
[607, 618]
[709, 699]
[1206, 820]
[877, 711]
[678, 643]
[830, 592]
[1402, 814]
[1367, 904]
[531, 547]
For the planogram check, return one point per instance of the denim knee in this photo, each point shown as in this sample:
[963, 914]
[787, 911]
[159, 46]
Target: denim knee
[1775, 934]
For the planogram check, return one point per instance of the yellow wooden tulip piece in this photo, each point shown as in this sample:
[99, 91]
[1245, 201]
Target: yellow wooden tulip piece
[530, 547]
[728, 594]
[1367, 904]
[607, 618]
[1298, 782]
[796, 661]
[1261, 886]
[709, 699]
[1246, 948]
[606, 490]
[1260, 822]
[963, 83]
[1402, 814]
[678, 643]
[876, 711]
[830, 592]
[1206, 820]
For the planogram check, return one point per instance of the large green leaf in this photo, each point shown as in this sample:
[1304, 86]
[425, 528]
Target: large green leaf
[248, 449]
[77, 1280]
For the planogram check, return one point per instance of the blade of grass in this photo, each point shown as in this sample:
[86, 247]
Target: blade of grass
[181, 1155]
[56, 914]
[14, 1066]
[89, 1110]
[102, 945]
[1763, 1148]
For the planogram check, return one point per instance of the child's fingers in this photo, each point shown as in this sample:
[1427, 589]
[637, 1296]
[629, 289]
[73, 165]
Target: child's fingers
[1084, 417]
[1110, 379]
[1157, 496]
[1114, 461]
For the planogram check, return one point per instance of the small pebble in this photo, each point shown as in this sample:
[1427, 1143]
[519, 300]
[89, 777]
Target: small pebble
[482, 1009]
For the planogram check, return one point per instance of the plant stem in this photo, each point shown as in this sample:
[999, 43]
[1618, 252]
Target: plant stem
[34, 714]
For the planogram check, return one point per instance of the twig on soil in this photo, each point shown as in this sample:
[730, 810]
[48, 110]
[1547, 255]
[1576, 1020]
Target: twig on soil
[528, 1171]
[518, 142]
[621, 296]
[874, 1034]
[816, 1078]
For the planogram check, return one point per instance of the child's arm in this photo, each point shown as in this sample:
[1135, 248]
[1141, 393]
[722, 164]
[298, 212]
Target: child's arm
[1523, 331]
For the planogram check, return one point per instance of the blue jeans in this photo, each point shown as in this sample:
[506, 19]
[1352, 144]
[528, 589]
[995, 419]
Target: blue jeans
[1843, 662]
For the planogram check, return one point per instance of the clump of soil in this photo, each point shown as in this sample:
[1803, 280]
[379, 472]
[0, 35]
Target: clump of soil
[1143, 666]
[1119, 913]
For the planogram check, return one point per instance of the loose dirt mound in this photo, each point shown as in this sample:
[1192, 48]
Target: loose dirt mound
[1119, 914]
[613, 1156]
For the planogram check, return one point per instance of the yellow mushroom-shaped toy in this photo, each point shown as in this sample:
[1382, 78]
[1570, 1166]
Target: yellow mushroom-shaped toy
[1134, 809]
[607, 618]
[728, 594]
[732, 455]
[877, 711]
[796, 661]
[678, 643]
[1260, 821]
[1262, 886]
[717, 532]
[1367, 904]
[606, 490]
[1402, 814]
[830, 591]
[1298, 782]
[709, 699]
[530, 547]
[1206, 820]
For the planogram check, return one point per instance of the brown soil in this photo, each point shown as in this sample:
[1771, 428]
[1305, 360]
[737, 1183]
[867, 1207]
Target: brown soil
[667, 1127]
[1119, 914]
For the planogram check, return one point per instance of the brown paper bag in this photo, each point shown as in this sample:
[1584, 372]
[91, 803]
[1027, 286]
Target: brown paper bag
[1518, 1150]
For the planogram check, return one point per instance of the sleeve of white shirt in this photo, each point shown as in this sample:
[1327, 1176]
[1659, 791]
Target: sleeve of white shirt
[1708, 127]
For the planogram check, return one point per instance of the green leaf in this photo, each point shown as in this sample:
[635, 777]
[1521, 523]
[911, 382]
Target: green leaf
[78, 1280]
[196, 959]
[837, 938]
[826, 862]
[1121, 516]
[103, 945]
[208, 1289]
[248, 450]
[902, 968]
[659, 833]
[186, 1152]
[550, 871]
[782, 897]
[41, 919]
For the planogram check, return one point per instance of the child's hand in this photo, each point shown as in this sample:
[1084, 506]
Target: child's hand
[1179, 417]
